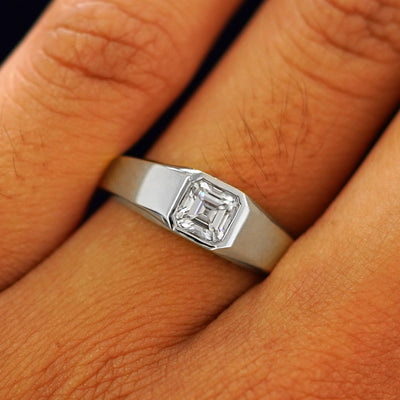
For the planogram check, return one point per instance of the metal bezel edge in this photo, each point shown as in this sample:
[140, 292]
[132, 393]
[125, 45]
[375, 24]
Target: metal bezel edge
[235, 226]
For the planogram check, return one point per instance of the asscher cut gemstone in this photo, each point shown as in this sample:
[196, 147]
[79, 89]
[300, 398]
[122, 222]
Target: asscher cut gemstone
[206, 211]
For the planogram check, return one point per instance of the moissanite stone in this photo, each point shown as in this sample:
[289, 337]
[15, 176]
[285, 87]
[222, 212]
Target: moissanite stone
[206, 211]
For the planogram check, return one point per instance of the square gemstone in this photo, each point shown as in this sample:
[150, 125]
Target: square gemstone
[206, 211]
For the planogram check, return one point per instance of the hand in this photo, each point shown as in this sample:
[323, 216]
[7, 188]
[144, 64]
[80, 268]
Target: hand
[123, 309]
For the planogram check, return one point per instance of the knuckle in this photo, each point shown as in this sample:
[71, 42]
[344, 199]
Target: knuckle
[110, 42]
[368, 28]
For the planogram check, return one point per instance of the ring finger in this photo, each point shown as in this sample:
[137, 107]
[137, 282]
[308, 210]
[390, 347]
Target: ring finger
[284, 126]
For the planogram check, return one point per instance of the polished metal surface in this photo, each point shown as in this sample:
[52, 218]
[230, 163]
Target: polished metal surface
[216, 216]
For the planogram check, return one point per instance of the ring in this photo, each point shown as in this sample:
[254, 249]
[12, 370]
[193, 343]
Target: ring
[201, 208]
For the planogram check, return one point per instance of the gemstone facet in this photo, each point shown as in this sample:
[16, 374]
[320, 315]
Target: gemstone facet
[206, 211]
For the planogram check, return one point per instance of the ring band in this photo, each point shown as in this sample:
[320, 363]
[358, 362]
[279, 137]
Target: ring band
[200, 208]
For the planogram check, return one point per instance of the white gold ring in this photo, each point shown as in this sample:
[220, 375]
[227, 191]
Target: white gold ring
[200, 208]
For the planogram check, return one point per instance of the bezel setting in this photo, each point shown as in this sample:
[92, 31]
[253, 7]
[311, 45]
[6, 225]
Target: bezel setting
[209, 211]
[200, 208]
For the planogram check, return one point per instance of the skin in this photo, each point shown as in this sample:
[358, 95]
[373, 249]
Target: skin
[123, 309]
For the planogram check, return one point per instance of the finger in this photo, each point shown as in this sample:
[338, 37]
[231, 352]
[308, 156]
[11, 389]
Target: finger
[325, 323]
[289, 125]
[87, 82]
[138, 292]
[241, 148]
